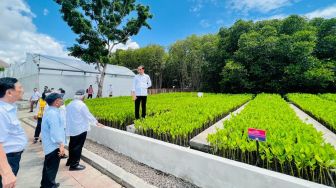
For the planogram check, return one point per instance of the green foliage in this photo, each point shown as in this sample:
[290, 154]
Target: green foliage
[153, 57]
[289, 55]
[190, 65]
[234, 77]
[326, 45]
[329, 96]
[322, 109]
[100, 26]
[173, 117]
[188, 116]
[292, 147]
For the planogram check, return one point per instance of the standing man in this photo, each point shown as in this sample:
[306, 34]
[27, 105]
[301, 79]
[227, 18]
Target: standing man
[141, 83]
[53, 137]
[12, 137]
[40, 110]
[90, 92]
[78, 119]
[63, 117]
[110, 91]
[33, 99]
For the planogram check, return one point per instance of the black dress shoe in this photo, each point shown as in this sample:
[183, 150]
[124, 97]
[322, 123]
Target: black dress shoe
[57, 185]
[76, 168]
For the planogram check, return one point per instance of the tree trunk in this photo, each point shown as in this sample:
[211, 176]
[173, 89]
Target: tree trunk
[160, 86]
[101, 81]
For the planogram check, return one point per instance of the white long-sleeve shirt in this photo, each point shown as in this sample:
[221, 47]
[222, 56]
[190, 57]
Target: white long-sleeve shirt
[35, 96]
[140, 84]
[78, 118]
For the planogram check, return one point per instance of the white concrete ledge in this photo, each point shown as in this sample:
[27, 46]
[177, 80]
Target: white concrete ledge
[328, 135]
[200, 142]
[199, 168]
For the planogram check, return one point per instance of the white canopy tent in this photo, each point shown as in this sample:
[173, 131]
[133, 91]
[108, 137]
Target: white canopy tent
[70, 74]
[3, 64]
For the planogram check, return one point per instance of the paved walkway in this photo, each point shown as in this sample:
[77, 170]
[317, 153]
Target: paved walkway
[328, 135]
[32, 163]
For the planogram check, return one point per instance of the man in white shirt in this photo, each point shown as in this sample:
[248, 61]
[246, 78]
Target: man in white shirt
[79, 119]
[13, 139]
[33, 99]
[141, 83]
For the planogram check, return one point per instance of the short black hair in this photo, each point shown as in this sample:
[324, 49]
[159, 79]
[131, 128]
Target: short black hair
[43, 96]
[6, 83]
[51, 98]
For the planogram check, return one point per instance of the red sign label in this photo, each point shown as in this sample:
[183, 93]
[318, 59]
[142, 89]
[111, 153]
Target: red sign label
[256, 134]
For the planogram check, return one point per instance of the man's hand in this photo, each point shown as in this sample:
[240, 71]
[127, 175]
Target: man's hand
[35, 117]
[61, 150]
[134, 97]
[100, 125]
[8, 180]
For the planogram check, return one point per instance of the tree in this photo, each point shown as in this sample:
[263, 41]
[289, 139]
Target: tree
[100, 26]
[188, 60]
[293, 24]
[153, 57]
[326, 45]
[235, 78]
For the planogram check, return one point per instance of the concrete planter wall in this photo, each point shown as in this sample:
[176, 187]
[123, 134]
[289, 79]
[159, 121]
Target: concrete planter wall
[199, 168]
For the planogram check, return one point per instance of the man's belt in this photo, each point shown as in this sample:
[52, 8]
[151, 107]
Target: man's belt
[13, 154]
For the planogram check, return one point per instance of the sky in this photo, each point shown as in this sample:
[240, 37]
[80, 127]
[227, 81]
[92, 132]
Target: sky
[36, 26]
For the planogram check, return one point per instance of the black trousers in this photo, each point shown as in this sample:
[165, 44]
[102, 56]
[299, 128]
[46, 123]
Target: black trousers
[38, 128]
[14, 162]
[50, 168]
[143, 100]
[32, 103]
[89, 96]
[75, 149]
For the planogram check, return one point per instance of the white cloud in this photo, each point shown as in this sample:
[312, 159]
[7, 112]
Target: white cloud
[197, 5]
[45, 12]
[277, 16]
[18, 34]
[205, 23]
[129, 45]
[244, 6]
[263, 6]
[328, 12]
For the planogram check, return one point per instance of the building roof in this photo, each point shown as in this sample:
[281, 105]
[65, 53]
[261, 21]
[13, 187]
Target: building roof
[3, 64]
[74, 65]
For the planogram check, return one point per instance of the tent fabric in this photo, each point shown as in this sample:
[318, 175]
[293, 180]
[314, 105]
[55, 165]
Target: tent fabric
[3, 64]
[72, 64]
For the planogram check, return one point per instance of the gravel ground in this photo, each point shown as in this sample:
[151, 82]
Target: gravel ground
[148, 174]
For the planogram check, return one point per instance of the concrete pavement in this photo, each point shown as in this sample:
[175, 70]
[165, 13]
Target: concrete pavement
[30, 173]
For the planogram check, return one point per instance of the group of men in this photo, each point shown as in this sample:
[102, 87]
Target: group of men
[54, 124]
[13, 139]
